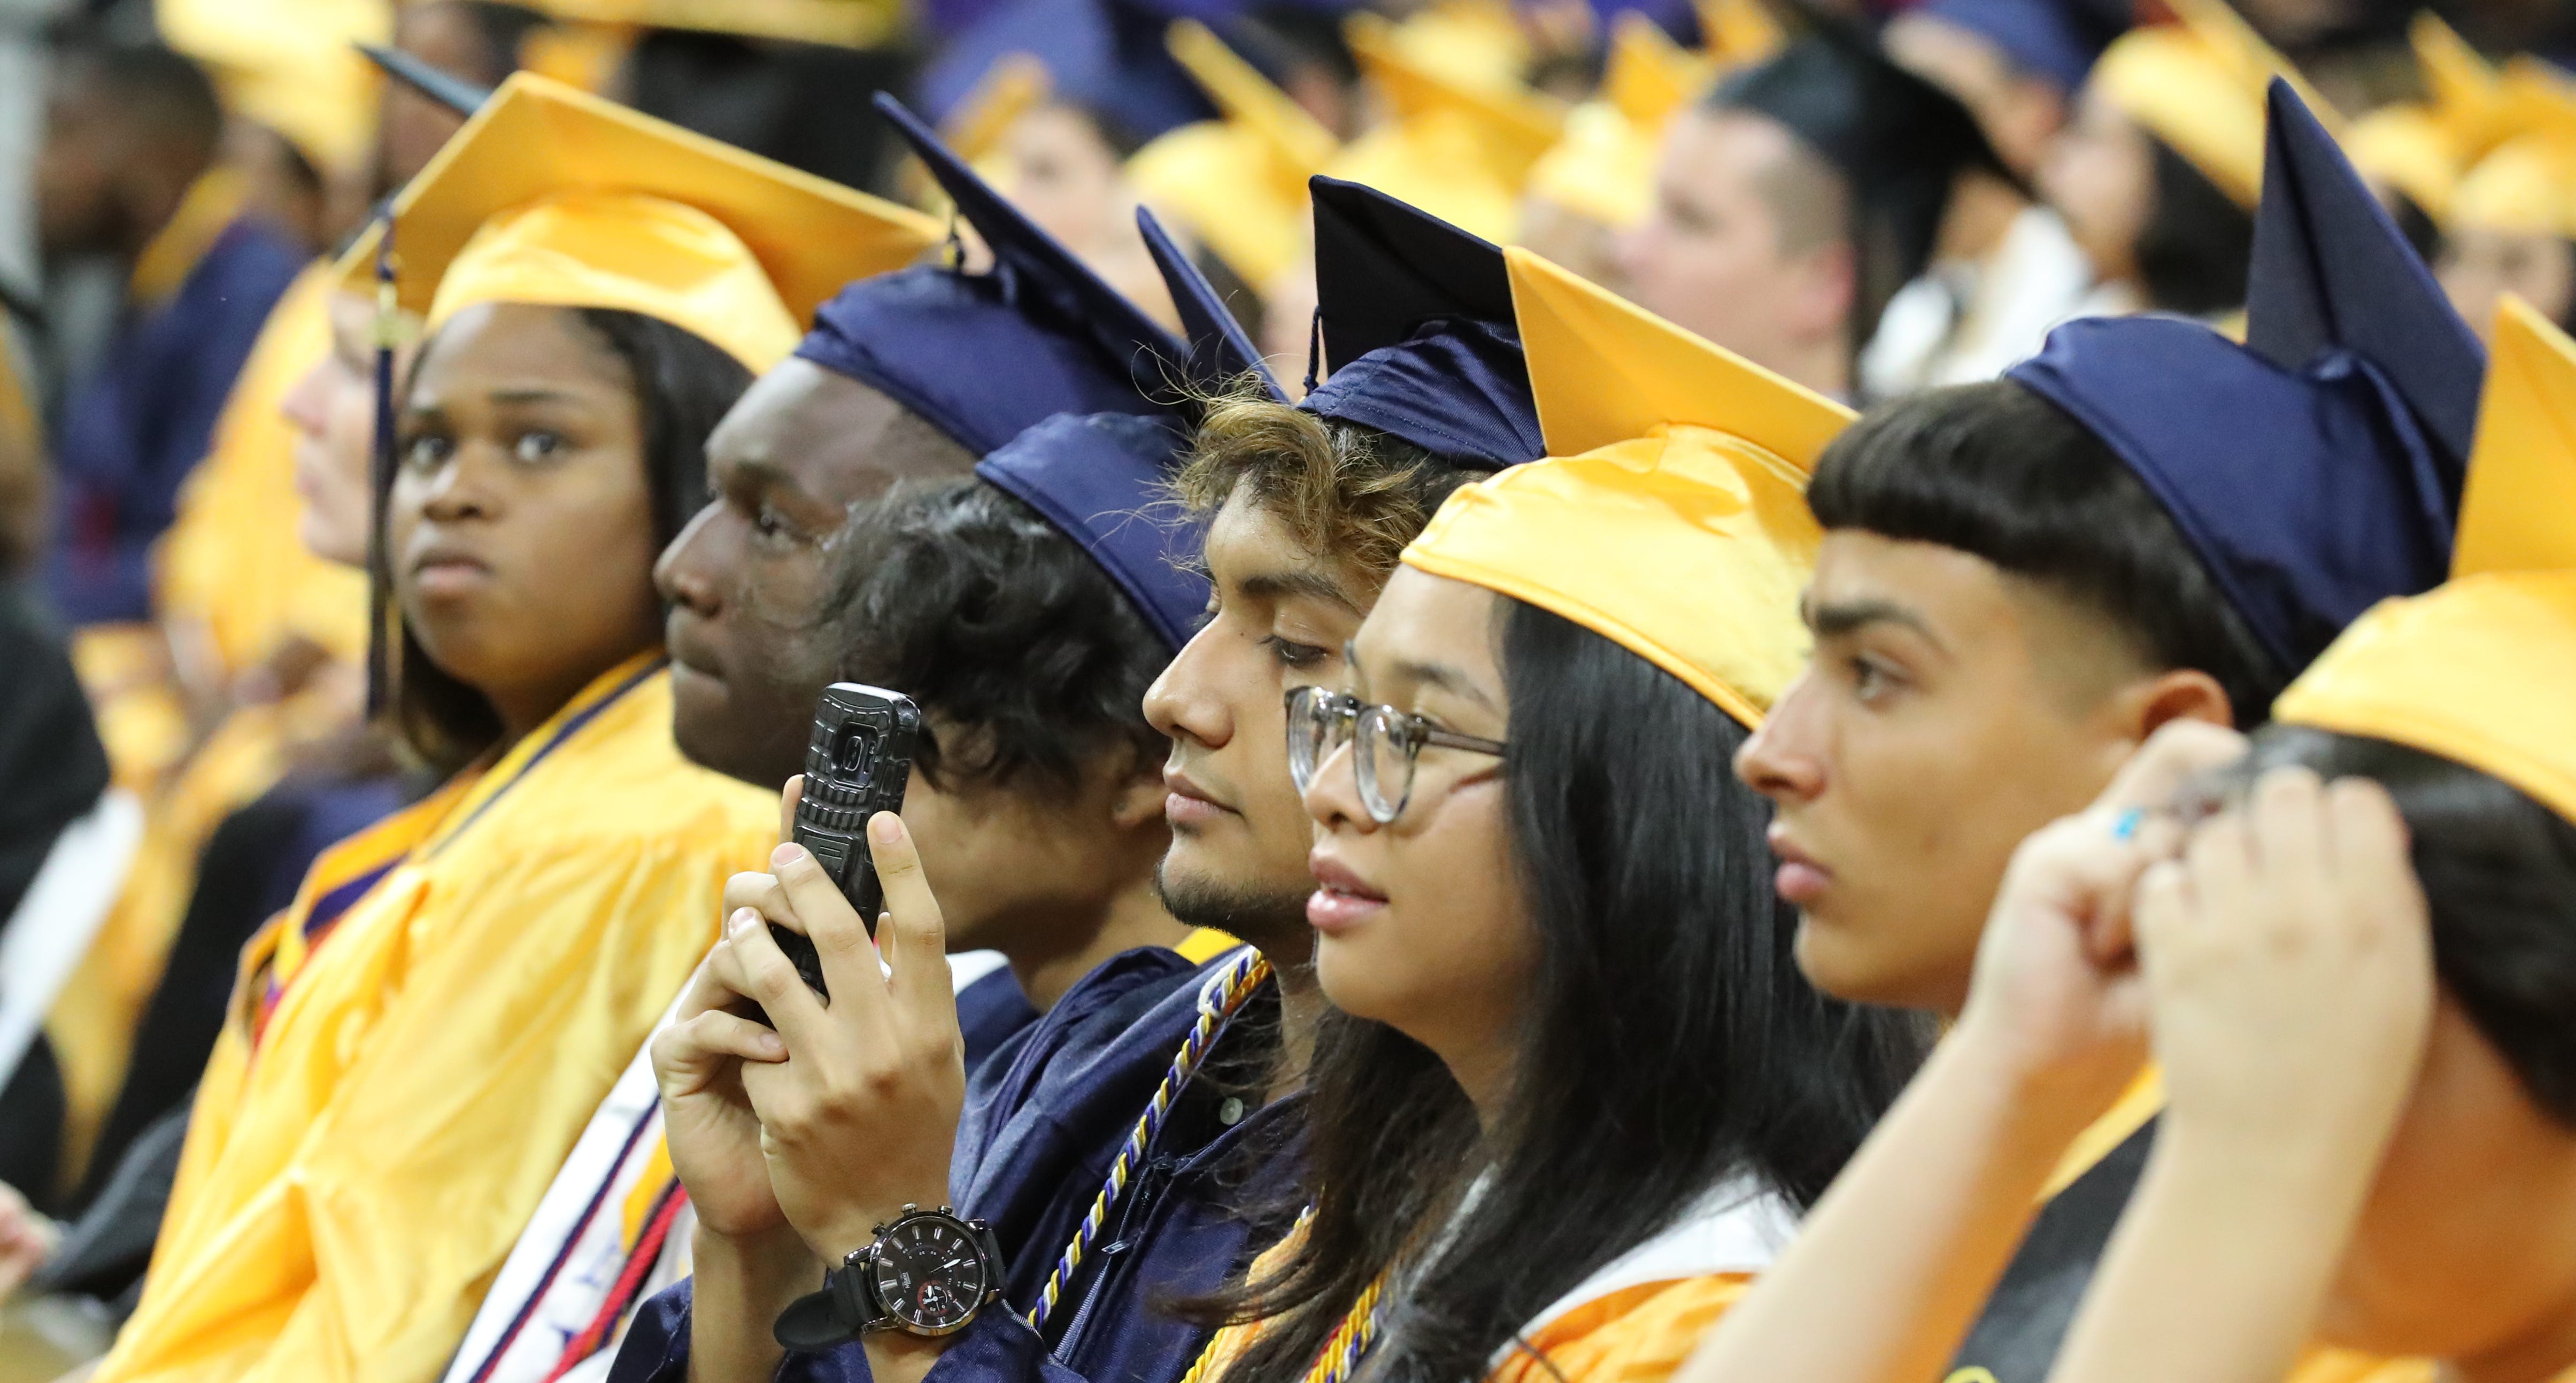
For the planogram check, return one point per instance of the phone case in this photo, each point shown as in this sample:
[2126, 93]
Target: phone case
[857, 763]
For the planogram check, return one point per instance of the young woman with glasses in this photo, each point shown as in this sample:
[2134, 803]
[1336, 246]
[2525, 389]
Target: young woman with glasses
[1574, 1090]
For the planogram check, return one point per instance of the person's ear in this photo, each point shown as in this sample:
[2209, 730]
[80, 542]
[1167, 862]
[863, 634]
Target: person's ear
[2175, 694]
[1825, 289]
[1137, 802]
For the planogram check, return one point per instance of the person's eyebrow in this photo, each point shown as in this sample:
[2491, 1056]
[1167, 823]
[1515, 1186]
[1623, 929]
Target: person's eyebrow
[1445, 677]
[1834, 619]
[1280, 585]
[537, 395]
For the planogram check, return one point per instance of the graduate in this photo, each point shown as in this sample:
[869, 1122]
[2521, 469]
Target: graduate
[2511, 228]
[415, 1043]
[1536, 830]
[129, 169]
[1796, 199]
[1049, 1137]
[2159, 171]
[2353, 974]
[1598, 179]
[2020, 582]
[2008, 268]
[1041, 834]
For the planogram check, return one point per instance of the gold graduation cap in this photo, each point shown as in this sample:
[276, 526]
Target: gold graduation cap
[1739, 33]
[2198, 86]
[1603, 167]
[835, 23]
[1459, 144]
[2406, 146]
[2478, 670]
[2525, 186]
[551, 195]
[289, 65]
[1238, 182]
[1671, 513]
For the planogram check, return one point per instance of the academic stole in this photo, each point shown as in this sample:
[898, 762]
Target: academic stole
[611, 1231]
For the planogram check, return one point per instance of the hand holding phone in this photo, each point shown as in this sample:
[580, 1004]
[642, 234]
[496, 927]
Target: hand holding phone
[858, 761]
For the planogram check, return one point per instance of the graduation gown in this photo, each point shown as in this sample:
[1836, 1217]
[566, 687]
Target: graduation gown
[133, 433]
[1045, 1116]
[414, 1046]
[2016, 1338]
[1634, 1320]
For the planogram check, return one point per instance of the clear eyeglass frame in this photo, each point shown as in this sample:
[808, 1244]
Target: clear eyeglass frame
[1387, 745]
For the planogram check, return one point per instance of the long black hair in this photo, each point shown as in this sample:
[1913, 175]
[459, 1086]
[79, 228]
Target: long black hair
[2499, 874]
[1669, 1045]
[683, 387]
[2198, 243]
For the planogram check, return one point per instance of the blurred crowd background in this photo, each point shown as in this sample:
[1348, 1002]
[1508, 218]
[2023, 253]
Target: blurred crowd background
[1866, 196]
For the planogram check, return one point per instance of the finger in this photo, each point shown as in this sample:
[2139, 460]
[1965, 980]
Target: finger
[2172, 756]
[2220, 862]
[770, 979]
[732, 1035]
[2286, 824]
[711, 985]
[919, 950]
[2111, 937]
[2163, 911]
[2372, 852]
[788, 798]
[840, 940]
[763, 894]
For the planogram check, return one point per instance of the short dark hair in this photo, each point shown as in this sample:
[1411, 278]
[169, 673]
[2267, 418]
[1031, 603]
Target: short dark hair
[967, 600]
[2000, 473]
[2197, 245]
[1344, 489]
[683, 386]
[157, 88]
[1665, 964]
[2499, 874]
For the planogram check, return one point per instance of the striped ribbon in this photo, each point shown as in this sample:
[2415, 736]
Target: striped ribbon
[1349, 1343]
[1218, 999]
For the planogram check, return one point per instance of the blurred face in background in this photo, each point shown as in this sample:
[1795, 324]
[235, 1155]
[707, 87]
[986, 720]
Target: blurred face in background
[1066, 174]
[2020, 113]
[333, 410]
[2100, 174]
[1745, 244]
[2478, 266]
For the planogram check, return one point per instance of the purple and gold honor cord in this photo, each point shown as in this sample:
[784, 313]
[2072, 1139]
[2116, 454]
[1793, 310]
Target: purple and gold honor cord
[1219, 997]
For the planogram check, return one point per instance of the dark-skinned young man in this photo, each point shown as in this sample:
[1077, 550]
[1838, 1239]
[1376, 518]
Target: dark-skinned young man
[864, 1110]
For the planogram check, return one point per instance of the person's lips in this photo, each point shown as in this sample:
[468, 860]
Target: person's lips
[1801, 879]
[1342, 899]
[688, 654]
[1186, 804]
[446, 569]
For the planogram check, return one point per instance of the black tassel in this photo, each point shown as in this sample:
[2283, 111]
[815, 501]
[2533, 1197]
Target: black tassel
[380, 484]
[1314, 349]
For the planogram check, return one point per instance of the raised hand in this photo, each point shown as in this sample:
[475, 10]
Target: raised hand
[2057, 996]
[861, 1117]
[2290, 965]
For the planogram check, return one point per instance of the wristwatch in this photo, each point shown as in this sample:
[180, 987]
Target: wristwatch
[928, 1273]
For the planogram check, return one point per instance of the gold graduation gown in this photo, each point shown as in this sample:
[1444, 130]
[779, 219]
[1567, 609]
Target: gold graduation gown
[416, 1044]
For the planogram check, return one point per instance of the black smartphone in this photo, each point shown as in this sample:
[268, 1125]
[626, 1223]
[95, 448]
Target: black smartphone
[856, 764]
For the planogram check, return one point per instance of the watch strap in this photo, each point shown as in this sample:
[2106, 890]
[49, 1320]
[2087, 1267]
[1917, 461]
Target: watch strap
[836, 1315]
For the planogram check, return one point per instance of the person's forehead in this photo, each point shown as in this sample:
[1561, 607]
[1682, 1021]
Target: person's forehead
[509, 345]
[1422, 620]
[1956, 596]
[818, 430]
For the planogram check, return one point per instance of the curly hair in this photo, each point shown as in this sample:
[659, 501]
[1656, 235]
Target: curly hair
[1342, 488]
[1001, 628]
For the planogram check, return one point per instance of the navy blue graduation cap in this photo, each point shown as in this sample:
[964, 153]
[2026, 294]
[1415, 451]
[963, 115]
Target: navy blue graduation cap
[1107, 56]
[2316, 470]
[2056, 41]
[447, 89]
[1100, 477]
[984, 357]
[1416, 318]
[1899, 142]
[1219, 349]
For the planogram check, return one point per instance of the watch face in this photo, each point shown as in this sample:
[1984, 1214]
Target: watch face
[928, 1274]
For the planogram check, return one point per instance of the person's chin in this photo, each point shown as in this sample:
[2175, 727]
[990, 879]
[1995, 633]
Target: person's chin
[1835, 959]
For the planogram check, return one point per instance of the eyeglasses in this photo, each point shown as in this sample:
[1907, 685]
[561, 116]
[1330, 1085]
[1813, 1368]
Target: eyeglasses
[1389, 742]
